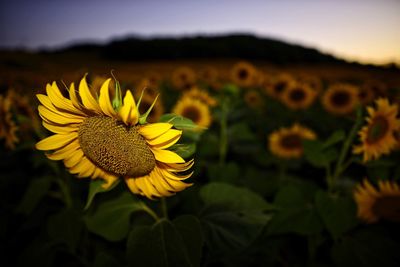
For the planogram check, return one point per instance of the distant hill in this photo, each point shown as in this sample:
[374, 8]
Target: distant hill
[229, 46]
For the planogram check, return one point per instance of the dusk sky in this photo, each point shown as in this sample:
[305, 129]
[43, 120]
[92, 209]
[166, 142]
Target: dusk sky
[363, 30]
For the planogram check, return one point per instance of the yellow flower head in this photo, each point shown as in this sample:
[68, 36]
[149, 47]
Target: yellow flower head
[298, 96]
[253, 99]
[278, 85]
[378, 203]
[183, 78]
[244, 74]
[340, 99]
[378, 136]
[287, 142]
[195, 110]
[201, 95]
[98, 138]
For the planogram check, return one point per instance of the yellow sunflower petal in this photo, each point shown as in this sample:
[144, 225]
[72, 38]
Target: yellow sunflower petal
[56, 141]
[109, 180]
[64, 129]
[132, 185]
[74, 97]
[166, 156]
[87, 99]
[65, 151]
[167, 139]
[153, 130]
[48, 115]
[73, 158]
[60, 101]
[104, 99]
[161, 188]
[128, 112]
[145, 187]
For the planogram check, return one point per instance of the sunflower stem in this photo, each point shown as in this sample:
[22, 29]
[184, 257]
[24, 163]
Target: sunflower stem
[340, 165]
[223, 144]
[164, 208]
[151, 213]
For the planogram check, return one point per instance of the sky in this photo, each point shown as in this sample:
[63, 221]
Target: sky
[363, 30]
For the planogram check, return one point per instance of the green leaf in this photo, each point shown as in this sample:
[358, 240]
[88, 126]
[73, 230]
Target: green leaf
[229, 172]
[237, 198]
[317, 155]
[37, 189]
[240, 132]
[184, 150]
[95, 188]
[163, 245]
[66, 227]
[296, 214]
[179, 122]
[189, 228]
[337, 213]
[335, 138]
[111, 219]
[233, 216]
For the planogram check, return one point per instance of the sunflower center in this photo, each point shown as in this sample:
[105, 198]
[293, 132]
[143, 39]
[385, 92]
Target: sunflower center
[291, 141]
[377, 129]
[114, 147]
[297, 95]
[387, 207]
[280, 87]
[191, 113]
[243, 74]
[340, 99]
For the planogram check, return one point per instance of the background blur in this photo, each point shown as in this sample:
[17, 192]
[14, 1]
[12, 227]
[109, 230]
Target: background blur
[271, 97]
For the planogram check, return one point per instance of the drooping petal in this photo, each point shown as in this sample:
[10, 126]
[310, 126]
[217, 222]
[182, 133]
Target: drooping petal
[153, 130]
[128, 112]
[65, 151]
[49, 115]
[165, 140]
[73, 158]
[87, 99]
[60, 101]
[104, 100]
[166, 156]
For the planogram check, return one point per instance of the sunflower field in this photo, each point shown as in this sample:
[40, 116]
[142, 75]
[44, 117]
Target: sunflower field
[184, 163]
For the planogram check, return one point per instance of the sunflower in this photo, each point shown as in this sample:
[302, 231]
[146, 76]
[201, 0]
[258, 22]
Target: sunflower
[98, 139]
[156, 111]
[8, 128]
[244, 74]
[298, 96]
[340, 99]
[287, 142]
[378, 203]
[183, 78]
[208, 75]
[193, 109]
[278, 85]
[253, 99]
[378, 136]
[312, 81]
[201, 95]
